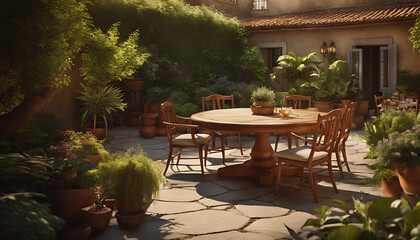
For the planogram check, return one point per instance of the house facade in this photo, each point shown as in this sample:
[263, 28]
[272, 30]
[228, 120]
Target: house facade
[371, 35]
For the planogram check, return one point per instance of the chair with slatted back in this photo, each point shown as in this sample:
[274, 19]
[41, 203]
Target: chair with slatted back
[344, 133]
[193, 139]
[309, 156]
[217, 101]
[379, 104]
[297, 102]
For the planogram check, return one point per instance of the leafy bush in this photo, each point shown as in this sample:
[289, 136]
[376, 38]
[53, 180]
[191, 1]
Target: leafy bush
[24, 218]
[43, 131]
[388, 122]
[131, 177]
[384, 218]
[189, 109]
[262, 94]
[76, 144]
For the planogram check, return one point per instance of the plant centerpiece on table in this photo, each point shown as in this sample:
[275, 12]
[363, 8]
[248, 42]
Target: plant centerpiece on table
[263, 101]
[134, 180]
[401, 152]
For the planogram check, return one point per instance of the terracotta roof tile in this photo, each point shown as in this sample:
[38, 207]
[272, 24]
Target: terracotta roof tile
[388, 12]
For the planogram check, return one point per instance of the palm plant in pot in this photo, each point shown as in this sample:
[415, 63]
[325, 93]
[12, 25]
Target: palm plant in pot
[100, 102]
[134, 180]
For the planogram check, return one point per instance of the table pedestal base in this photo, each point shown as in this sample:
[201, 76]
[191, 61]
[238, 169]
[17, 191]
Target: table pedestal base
[262, 163]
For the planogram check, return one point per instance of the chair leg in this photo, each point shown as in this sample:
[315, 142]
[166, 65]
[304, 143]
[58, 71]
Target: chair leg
[169, 159]
[277, 142]
[200, 155]
[332, 176]
[240, 143]
[313, 184]
[340, 167]
[206, 150]
[222, 142]
[179, 156]
[213, 141]
[343, 151]
[277, 179]
[289, 140]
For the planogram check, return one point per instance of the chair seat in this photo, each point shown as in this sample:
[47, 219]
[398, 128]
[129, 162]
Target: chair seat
[186, 140]
[300, 154]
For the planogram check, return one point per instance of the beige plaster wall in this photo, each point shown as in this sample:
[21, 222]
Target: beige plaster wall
[65, 106]
[303, 42]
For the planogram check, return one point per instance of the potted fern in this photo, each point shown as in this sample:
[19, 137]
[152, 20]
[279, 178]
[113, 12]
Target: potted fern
[100, 102]
[134, 180]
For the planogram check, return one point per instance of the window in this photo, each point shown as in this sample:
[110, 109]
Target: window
[260, 4]
[274, 54]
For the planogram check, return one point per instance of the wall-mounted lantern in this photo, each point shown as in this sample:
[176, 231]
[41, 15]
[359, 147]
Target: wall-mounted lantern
[324, 49]
[332, 48]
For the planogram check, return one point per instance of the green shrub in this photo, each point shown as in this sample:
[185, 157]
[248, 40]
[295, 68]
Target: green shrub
[189, 109]
[24, 218]
[262, 94]
[384, 218]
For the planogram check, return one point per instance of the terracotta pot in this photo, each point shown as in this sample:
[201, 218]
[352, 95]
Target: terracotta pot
[148, 119]
[110, 203]
[67, 177]
[362, 108]
[133, 84]
[160, 131]
[93, 158]
[147, 131]
[265, 103]
[97, 220]
[66, 203]
[323, 106]
[409, 178]
[130, 222]
[76, 232]
[391, 188]
[100, 133]
[132, 118]
[152, 108]
[345, 102]
[131, 208]
[262, 110]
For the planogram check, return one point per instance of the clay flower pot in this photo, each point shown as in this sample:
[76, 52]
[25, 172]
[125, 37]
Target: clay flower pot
[362, 108]
[97, 218]
[130, 222]
[100, 133]
[93, 158]
[323, 106]
[391, 188]
[409, 178]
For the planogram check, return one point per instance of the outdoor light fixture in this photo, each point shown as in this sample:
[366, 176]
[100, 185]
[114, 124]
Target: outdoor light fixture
[324, 49]
[331, 48]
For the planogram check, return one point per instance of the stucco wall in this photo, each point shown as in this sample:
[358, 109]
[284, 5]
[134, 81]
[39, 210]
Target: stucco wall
[303, 42]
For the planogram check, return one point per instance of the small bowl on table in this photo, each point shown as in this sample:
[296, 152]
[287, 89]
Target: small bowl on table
[285, 111]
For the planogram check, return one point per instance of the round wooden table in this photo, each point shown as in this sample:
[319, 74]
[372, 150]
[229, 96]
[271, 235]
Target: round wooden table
[262, 163]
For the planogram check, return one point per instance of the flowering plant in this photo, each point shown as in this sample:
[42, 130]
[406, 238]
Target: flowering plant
[75, 144]
[396, 93]
[401, 148]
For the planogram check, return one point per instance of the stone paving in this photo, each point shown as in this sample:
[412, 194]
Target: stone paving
[204, 206]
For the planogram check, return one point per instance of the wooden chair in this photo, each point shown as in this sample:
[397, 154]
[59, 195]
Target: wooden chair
[379, 104]
[296, 103]
[308, 156]
[344, 133]
[214, 102]
[193, 139]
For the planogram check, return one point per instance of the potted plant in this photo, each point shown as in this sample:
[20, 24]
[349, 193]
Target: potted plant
[100, 102]
[134, 180]
[390, 184]
[147, 127]
[263, 101]
[401, 152]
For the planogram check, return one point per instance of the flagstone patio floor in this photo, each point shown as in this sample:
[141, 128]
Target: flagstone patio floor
[204, 206]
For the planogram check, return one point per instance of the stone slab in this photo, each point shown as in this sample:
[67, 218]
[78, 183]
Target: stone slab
[258, 209]
[241, 195]
[205, 222]
[159, 207]
[178, 195]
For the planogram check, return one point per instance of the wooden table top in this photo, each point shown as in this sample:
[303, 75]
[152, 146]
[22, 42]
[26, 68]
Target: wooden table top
[243, 120]
[401, 105]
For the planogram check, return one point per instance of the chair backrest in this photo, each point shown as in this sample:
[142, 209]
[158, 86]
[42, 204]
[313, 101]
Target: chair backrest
[296, 101]
[345, 129]
[378, 103]
[217, 101]
[326, 133]
[168, 112]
